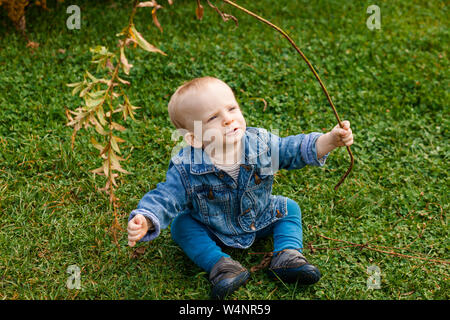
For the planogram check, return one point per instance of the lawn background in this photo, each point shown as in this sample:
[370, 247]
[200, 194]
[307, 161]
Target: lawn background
[392, 84]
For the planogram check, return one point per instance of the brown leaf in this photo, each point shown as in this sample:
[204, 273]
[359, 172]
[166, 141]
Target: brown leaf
[199, 11]
[108, 145]
[114, 175]
[32, 45]
[123, 81]
[225, 16]
[138, 252]
[155, 19]
[109, 65]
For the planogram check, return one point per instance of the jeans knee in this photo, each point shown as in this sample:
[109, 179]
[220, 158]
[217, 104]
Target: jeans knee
[294, 209]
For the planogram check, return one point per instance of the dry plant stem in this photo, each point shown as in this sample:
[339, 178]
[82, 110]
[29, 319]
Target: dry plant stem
[313, 71]
[268, 255]
[365, 246]
[112, 197]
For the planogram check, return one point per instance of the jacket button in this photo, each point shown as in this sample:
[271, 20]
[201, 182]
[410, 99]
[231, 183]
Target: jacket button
[279, 214]
[252, 226]
[257, 179]
[210, 195]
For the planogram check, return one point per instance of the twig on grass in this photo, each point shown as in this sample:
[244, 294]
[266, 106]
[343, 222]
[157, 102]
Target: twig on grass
[366, 246]
[268, 255]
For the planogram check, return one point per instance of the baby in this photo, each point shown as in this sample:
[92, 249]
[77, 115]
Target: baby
[217, 192]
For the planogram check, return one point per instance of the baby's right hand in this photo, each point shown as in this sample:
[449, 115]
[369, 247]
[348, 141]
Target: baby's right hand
[137, 228]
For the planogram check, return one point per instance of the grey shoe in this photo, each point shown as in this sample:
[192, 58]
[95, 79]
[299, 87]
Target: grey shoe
[226, 276]
[290, 265]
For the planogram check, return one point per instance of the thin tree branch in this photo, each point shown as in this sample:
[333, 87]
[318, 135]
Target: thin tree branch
[313, 71]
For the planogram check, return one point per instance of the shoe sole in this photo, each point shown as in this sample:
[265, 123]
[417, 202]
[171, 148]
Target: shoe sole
[228, 286]
[305, 275]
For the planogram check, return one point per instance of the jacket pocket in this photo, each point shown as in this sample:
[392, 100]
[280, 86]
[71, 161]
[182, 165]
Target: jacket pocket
[215, 207]
[214, 202]
[261, 190]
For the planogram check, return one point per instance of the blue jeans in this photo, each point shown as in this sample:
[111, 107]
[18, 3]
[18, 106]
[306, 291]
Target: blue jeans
[203, 248]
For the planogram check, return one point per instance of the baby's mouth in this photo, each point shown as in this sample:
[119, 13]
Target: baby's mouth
[231, 132]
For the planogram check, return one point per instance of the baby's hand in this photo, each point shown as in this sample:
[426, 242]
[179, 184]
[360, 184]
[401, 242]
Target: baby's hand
[137, 228]
[342, 136]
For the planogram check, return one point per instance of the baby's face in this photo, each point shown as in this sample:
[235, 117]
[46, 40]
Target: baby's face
[214, 113]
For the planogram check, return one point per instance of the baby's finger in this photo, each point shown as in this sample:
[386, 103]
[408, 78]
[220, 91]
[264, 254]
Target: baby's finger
[345, 132]
[346, 124]
[131, 243]
[138, 219]
[133, 227]
[134, 238]
[133, 233]
[348, 142]
[347, 139]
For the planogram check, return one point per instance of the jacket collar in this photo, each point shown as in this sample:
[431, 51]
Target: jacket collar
[254, 146]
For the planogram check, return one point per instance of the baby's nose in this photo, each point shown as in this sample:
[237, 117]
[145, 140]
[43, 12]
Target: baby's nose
[227, 120]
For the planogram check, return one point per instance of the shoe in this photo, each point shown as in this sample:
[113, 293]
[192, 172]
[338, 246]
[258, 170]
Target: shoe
[290, 265]
[226, 276]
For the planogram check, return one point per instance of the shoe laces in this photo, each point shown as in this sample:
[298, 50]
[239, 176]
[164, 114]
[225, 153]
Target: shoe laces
[225, 268]
[288, 258]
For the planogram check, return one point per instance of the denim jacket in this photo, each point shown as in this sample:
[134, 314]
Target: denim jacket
[232, 211]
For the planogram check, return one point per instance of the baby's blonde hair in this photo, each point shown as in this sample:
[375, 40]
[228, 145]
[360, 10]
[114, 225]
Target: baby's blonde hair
[176, 101]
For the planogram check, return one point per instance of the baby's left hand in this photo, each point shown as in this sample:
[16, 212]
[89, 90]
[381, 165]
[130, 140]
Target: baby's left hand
[342, 136]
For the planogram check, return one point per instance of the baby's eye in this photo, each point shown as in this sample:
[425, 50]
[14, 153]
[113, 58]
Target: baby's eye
[212, 118]
[232, 108]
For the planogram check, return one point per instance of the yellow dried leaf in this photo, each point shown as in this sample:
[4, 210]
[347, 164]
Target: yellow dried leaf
[100, 129]
[106, 167]
[91, 76]
[143, 43]
[114, 144]
[123, 59]
[146, 4]
[98, 171]
[96, 144]
[93, 102]
[117, 127]
[75, 84]
[119, 140]
[101, 116]
[123, 81]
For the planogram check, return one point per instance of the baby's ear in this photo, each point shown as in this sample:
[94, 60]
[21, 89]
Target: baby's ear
[189, 137]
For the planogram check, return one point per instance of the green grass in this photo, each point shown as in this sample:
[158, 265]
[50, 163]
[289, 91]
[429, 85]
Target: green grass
[392, 85]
